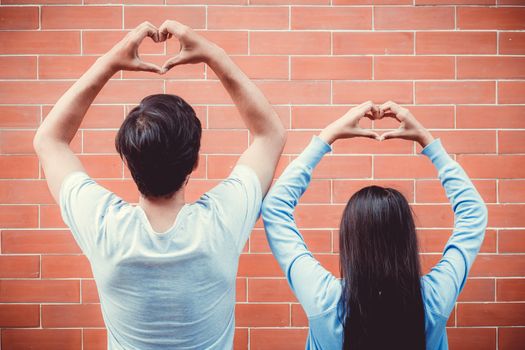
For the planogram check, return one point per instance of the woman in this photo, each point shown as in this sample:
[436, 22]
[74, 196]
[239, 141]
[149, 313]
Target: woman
[382, 302]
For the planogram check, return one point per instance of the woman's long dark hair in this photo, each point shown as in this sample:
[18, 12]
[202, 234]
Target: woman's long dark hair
[382, 307]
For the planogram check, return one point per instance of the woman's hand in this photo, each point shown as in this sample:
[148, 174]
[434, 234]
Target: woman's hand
[348, 125]
[194, 48]
[410, 128]
[125, 56]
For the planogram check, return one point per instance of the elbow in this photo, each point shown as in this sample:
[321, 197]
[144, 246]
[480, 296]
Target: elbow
[38, 142]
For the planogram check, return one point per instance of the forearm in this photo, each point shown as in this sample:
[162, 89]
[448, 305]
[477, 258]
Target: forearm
[63, 121]
[255, 110]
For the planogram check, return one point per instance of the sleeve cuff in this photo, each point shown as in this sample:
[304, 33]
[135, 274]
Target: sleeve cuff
[437, 154]
[314, 152]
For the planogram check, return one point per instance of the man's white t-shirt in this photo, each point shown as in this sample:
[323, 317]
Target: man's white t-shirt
[170, 290]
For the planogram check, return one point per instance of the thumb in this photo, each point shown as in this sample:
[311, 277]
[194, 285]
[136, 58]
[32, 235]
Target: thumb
[172, 62]
[392, 134]
[149, 67]
[369, 133]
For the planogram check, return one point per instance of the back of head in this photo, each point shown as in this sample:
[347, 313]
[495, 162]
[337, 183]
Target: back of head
[160, 140]
[382, 304]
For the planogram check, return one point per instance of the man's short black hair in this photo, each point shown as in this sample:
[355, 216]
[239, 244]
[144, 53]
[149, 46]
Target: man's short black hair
[160, 141]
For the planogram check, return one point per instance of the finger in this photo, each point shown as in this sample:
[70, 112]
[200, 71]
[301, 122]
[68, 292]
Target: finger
[171, 27]
[147, 29]
[394, 134]
[369, 133]
[375, 112]
[149, 67]
[390, 105]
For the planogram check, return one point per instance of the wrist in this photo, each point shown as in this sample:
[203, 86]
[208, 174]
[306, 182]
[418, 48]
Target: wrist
[106, 62]
[425, 138]
[328, 136]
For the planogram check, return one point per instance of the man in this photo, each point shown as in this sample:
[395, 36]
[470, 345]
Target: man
[165, 269]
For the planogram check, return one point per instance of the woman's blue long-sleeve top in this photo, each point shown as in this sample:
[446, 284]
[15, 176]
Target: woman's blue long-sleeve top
[319, 291]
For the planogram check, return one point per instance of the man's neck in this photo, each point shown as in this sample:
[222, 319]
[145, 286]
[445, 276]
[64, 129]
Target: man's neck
[162, 212]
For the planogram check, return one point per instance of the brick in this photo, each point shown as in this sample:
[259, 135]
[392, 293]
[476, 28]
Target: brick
[224, 141]
[13, 18]
[344, 189]
[37, 242]
[40, 2]
[458, 92]
[378, 43]
[81, 17]
[478, 141]
[19, 266]
[262, 315]
[412, 167]
[99, 141]
[290, 43]
[18, 167]
[278, 338]
[19, 116]
[72, 316]
[478, 289]
[455, 2]
[101, 41]
[192, 16]
[16, 92]
[427, 215]
[358, 92]
[319, 216]
[44, 339]
[491, 67]
[501, 18]
[19, 191]
[19, 216]
[510, 338]
[39, 42]
[369, 146]
[65, 266]
[18, 67]
[498, 266]
[296, 92]
[439, 117]
[431, 191]
[511, 91]
[511, 241]
[299, 318]
[258, 265]
[102, 166]
[63, 67]
[511, 191]
[25, 291]
[260, 67]
[228, 117]
[89, 291]
[318, 241]
[240, 339]
[508, 215]
[211, 2]
[472, 338]
[490, 166]
[236, 17]
[128, 91]
[456, 43]
[434, 240]
[94, 339]
[413, 67]
[510, 289]
[331, 68]
[512, 43]
[340, 167]
[16, 141]
[268, 290]
[491, 314]
[50, 217]
[490, 117]
[317, 117]
[346, 18]
[19, 316]
[413, 18]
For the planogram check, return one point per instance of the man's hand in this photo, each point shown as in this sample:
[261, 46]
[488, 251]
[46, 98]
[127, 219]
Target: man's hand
[194, 48]
[409, 129]
[125, 54]
[348, 125]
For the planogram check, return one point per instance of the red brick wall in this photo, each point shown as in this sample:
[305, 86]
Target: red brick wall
[458, 64]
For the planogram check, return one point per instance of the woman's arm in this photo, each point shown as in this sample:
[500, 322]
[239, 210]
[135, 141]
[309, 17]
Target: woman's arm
[316, 288]
[446, 279]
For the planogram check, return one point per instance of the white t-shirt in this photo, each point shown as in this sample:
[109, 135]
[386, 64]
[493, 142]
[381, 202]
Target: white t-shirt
[171, 290]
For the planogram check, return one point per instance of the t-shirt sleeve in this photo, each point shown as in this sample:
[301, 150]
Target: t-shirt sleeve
[238, 200]
[83, 205]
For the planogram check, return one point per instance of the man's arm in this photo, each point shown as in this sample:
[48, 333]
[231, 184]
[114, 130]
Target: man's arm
[268, 132]
[53, 137]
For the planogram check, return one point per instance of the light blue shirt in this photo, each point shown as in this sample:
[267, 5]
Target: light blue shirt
[319, 291]
[170, 290]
